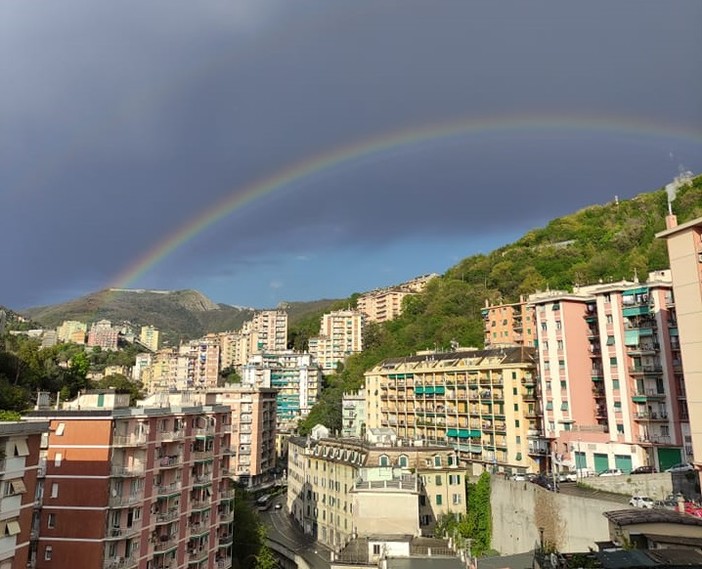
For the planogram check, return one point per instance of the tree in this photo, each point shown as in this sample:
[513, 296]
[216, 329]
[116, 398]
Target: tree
[121, 384]
[265, 558]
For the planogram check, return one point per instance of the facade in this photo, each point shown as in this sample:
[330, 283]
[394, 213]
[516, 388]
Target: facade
[685, 253]
[70, 330]
[509, 324]
[353, 414]
[383, 304]
[103, 335]
[481, 402]
[204, 359]
[21, 496]
[142, 487]
[266, 332]
[296, 377]
[340, 335]
[253, 429]
[611, 377]
[329, 479]
[150, 337]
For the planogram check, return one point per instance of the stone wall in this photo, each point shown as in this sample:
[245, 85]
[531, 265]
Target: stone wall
[571, 523]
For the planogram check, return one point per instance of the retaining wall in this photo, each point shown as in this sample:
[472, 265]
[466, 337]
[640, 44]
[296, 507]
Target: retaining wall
[571, 523]
[657, 486]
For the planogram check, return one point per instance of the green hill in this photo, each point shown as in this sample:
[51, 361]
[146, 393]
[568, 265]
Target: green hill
[602, 242]
[183, 314]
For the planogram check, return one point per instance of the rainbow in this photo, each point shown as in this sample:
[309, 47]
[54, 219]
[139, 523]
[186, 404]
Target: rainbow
[400, 141]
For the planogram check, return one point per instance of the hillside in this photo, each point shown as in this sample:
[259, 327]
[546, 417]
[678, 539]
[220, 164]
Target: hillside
[602, 242]
[179, 315]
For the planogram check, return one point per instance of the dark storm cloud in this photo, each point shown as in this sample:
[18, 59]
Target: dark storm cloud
[122, 121]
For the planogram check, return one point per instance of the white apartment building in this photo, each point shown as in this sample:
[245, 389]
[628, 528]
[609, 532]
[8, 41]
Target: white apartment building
[340, 335]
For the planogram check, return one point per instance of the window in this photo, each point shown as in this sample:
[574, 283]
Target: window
[437, 460]
[620, 429]
[456, 499]
[610, 320]
[613, 361]
[561, 364]
[559, 326]
[21, 448]
[376, 549]
[403, 461]
[564, 406]
[58, 457]
[54, 490]
[543, 326]
[51, 521]
[564, 384]
[59, 430]
[514, 375]
[384, 460]
[610, 340]
[514, 391]
[559, 344]
[48, 551]
[549, 405]
[516, 423]
[556, 306]
[516, 406]
[617, 406]
[438, 480]
[438, 499]
[519, 439]
[615, 384]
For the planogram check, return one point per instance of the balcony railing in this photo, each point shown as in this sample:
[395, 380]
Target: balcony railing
[196, 555]
[655, 439]
[170, 435]
[127, 471]
[208, 431]
[120, 563]
[129, 440]
[199, 528]
[165, 542]
[226, 539]
[224, 563]
[167, 489]
[123, 532]
[200, 455]
[122, 501]
[202, 479]
[166, 517]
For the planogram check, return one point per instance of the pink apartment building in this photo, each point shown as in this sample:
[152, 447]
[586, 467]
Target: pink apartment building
[611, 383]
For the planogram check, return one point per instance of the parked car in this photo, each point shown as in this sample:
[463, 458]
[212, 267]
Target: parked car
[545, 481]
[680, 467]
[278, 506]
[644, 470]
[567, 476]
[610, 472]
[641, 502]
[519, 477]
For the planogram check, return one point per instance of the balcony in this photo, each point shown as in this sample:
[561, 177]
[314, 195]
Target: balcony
[128, 471]
[197, 555]
[201, 455]
[224, 563]
[121, 563]
[168, 436]
[167, 517]
[199, 529]
[210, 431]
[645, 369]
[652, 416]
[129, 440]
[226, 517]
[529, 396]
[165, 543]
[202, 504]
[125, 501]
[643, 395]
[123, 532]
[169, 462]
[227, 494]
[534, 450]
[167, 489]
[532, 413]
[535, 433]
[655, 439]
[226, 539]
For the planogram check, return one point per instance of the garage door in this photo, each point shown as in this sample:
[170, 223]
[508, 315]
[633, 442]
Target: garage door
[667, 457]
[601, 462]
[623, 462]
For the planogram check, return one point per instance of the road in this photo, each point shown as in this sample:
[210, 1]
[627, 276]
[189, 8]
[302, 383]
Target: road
[282, 529]
[574, 490]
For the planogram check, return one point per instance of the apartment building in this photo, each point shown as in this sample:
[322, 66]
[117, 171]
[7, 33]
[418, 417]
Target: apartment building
[296, 377]
[204, 361]
[253, 430]
[353, 414]
[145, 487]
[483, 403]
[150, 337]
[685, 252]
[21, 496]
[103, 335]
[168, 370]
[340, 335]
[383, 304]
[509, 324]
[72, 331]
[333, 482]
[611, 376]
[266, 332]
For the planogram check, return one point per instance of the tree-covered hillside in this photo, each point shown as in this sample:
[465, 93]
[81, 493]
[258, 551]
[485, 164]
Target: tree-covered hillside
[604, 242]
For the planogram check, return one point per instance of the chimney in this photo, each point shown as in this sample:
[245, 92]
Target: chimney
[671, 221]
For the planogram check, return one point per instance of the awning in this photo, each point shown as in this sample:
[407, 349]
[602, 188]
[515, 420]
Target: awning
[13, 528]
[18, 486]
[631, 337]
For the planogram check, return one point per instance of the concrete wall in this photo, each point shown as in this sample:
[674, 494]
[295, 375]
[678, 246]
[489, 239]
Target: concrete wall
[519, 509]
[657, 486]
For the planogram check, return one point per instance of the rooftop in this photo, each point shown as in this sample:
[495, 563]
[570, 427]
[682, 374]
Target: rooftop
[654, 516]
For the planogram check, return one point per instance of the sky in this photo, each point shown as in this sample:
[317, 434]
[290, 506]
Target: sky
[262, 151]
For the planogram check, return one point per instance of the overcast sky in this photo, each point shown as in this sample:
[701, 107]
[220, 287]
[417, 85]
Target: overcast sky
[122, 122]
